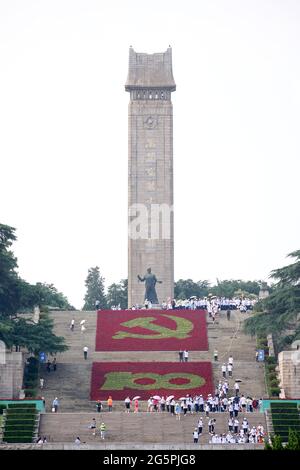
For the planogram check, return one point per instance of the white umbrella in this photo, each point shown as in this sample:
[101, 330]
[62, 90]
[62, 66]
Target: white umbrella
[156, 397]
[82, 322]
[170, 397]
[136, 398]
[182, 398]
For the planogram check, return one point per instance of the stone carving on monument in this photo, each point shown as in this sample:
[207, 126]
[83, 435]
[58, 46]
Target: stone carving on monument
[150, 282]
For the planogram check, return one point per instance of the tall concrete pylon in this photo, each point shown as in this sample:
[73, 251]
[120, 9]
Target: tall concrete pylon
[150, 173]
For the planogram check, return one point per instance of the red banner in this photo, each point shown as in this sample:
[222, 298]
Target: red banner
[151, 330]
[121, 379]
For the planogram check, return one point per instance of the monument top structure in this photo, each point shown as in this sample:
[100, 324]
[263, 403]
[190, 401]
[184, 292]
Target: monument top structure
[150, 70]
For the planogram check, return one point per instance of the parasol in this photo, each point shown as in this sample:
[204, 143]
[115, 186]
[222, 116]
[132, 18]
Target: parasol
[136, 398]
[82, 322]
[170, 397]
[156, 397]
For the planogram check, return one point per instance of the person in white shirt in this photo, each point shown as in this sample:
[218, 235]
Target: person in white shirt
[127, 403]
[201, 404]
[72, 324]
[195, 435]
[186, 355]
[229, 368]
[230, 360]
[243, 403]
[236, 388]
[200, 426]
[85, 352]
[236, 408]
[150, 405]
[162, 404]
[260, 429]
[245, 426]
[224, 368]
[236, 426]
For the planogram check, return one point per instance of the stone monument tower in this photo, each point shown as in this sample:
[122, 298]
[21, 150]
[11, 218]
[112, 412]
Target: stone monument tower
[150, 177]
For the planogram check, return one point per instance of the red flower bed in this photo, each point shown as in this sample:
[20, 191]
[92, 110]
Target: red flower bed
[121, 379]
[151, 330]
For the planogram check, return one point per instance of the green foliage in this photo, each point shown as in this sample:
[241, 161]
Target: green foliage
[48, 295]
[276, 443]
[16, 296]
[20, 423]
[2, 408]
[294, 440]
[230, 288]
[31, 375]
[95, 290]
[186, 288]
[117, 294]
[278, 313]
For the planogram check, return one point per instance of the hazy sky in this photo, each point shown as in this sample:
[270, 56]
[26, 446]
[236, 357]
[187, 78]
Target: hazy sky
[63, 134]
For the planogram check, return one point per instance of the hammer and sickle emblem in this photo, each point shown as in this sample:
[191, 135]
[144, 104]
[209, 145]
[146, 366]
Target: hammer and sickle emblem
[182, 331]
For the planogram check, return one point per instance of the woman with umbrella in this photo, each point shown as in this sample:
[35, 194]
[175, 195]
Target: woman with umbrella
[136, 403]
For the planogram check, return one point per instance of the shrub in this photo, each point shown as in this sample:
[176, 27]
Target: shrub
[272, 376]
[2, 408]
[274, 383]
[275, 391]
[31, 392]
[271, 360]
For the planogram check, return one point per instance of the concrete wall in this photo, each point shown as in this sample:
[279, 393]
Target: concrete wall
[289, 373]
[11, 375]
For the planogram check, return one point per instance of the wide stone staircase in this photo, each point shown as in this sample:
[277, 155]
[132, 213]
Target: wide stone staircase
[134, 428]
[71, 384]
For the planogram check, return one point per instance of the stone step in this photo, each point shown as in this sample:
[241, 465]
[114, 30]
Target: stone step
[133, 427]
[71, 381]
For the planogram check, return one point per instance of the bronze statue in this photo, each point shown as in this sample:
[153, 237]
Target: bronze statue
[150, 281]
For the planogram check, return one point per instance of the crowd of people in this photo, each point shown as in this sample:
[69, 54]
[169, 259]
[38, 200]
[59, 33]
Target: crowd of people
[210, 303]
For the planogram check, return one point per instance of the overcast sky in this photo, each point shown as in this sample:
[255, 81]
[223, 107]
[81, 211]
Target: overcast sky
[63, 134]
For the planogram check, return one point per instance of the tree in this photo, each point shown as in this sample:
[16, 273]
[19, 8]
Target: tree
[276, 443]
[231, 288]
[48, 295]
[186, 288]
[278, 313]
[16, 295]
[293, 440]
[117, 294]
[95, 290]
